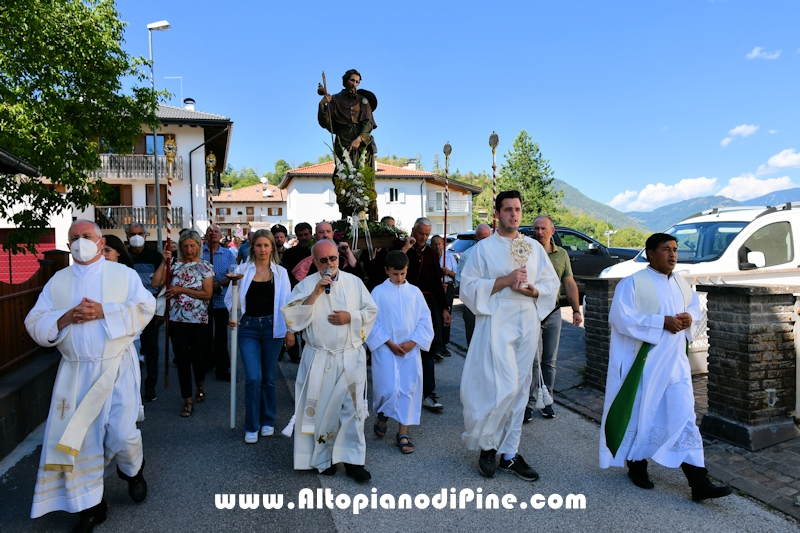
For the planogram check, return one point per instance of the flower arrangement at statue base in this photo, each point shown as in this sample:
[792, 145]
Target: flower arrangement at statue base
[382, 235]
[354, 186]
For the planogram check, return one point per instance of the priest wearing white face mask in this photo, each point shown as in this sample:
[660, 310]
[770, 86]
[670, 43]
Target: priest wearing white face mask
[91, 311]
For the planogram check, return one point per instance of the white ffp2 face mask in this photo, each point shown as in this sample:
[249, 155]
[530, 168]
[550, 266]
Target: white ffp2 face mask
[137, 241]
[84, 250]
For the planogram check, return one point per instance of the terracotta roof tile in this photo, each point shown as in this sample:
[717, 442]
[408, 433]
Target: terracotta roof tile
[253, 193]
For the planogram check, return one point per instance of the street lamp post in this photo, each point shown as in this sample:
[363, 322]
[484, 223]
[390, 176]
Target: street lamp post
[161, 25]
[493, 142]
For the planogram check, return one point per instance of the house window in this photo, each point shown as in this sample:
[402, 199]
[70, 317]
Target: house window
[149, 144]
[223, 210]
[394, 195]
[275, 211]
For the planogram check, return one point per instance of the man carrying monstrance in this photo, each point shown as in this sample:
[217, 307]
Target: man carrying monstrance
[348, 115]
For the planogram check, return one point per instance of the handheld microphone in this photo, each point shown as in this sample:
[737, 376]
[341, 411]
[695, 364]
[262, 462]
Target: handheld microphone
[327, 273]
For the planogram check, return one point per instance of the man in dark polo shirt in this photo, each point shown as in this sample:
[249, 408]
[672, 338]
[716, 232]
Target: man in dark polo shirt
[425, 273]
[145, 262]
[298, 252]
[543, 231]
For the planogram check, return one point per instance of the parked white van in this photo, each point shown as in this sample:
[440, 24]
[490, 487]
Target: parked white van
[728, 240]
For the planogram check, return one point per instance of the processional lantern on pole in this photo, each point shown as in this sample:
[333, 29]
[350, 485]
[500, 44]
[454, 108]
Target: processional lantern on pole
[494, 140]
[211, 162]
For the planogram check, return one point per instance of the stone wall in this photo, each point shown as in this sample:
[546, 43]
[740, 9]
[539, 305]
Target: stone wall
[751, 364]
[599, 293]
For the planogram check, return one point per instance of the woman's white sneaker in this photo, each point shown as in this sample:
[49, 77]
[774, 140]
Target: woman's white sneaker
[267, 431]
[251, 438]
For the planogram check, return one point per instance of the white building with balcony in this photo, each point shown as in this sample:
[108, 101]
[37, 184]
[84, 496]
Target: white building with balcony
[132, 176]
[250, 208]
[404, 193]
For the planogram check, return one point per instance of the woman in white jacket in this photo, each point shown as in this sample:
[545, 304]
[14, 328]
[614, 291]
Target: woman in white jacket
[263, 290]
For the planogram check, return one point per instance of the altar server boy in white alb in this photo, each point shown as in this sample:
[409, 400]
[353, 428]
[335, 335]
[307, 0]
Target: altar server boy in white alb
[92, 311]
[402, 328]
[649, 404]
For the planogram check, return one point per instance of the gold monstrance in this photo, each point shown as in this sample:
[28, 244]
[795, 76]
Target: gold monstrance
[521, 251]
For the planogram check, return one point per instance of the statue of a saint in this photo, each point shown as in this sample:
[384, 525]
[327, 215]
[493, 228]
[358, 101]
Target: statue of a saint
[348, 115]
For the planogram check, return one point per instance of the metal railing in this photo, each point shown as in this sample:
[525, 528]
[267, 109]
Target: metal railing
[136, 166]
[455, 206]
[117, 217]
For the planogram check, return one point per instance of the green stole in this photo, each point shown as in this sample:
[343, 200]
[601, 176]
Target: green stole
[646, 303]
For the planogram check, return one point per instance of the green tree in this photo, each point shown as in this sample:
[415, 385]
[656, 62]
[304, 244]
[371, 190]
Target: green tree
[237, 179]
[629, 238]
[61, 71]
[526, 170]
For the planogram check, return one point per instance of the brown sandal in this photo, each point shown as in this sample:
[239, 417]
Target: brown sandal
[187, 410]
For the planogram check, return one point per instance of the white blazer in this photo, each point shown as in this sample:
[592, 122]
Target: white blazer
[282, 291]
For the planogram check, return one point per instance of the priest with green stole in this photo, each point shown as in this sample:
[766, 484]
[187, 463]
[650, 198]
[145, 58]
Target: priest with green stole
[649, 403]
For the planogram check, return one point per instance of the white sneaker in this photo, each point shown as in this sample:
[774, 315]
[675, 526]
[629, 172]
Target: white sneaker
[431, 403]
[267, 431]
[251, 438]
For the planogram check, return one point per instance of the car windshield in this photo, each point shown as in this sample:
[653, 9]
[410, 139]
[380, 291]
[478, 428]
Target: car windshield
[702, 241]
[460, 245]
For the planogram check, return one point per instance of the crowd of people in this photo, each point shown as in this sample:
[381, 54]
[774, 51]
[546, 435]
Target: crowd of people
[334, 311]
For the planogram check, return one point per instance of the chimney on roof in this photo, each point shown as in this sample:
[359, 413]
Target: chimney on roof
[188, 104]
[411, 164]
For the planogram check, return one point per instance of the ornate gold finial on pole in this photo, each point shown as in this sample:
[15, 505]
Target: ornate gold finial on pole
[493, 142]
[211, 162]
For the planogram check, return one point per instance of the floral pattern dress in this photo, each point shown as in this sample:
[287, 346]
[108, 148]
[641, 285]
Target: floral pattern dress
[184, 308]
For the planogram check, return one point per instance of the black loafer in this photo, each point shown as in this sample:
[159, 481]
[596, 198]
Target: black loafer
[357, 472]
[706, 492]
[137, 486]
[91, 517]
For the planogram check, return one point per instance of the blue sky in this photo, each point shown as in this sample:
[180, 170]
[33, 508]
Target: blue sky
[636, 103]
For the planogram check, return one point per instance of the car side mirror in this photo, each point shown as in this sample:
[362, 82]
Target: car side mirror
[593, 248]
[757, 258]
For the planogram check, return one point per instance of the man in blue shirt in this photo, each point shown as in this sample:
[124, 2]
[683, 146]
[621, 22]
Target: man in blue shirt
[221, 258]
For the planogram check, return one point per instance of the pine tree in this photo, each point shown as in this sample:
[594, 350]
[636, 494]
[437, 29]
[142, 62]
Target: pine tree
[526, 170]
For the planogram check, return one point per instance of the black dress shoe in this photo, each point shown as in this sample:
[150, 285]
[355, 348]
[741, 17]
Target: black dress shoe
[528, 415]
[91, 517]
[637, 471]
[137, 486]
[331, 470]
[357, 472]
[706, 492]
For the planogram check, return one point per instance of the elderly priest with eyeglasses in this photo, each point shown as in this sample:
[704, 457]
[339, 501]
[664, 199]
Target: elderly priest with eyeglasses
[92, 312]
[337, 312]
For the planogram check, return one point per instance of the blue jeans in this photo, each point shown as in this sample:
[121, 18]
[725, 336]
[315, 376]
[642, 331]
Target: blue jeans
[259, 351]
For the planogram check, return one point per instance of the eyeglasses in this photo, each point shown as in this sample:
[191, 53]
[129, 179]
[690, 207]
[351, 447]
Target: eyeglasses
[324, 260]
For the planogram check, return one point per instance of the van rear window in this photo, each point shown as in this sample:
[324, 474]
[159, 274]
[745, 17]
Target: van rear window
[706, 241]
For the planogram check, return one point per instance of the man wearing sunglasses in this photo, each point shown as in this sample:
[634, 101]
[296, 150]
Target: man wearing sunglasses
[337, 312]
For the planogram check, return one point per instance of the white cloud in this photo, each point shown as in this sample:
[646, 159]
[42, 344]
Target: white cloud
[786, 159]
[773, 132]
[622, 198]
[748, 186]
[656, 195]
[760, 53]
[745, 130]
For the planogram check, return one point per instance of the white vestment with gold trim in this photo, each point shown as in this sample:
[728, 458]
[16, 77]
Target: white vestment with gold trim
[331, 380]
[96, 400]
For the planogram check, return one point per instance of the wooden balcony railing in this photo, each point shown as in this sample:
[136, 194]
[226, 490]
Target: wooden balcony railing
[455, 206]
[136, 166]
[117, 217]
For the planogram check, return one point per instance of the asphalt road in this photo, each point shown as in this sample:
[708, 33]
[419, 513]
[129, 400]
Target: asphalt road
[189, 461]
